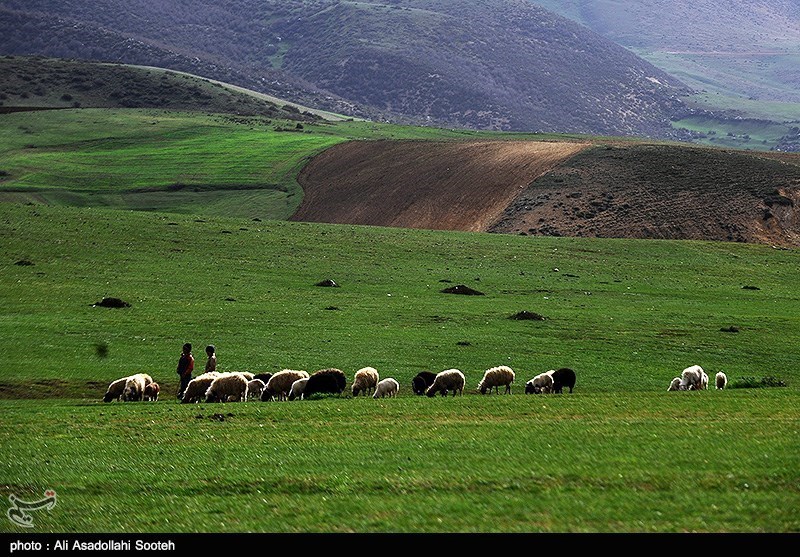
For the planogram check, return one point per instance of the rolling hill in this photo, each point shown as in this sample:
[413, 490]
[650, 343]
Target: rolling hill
[501, 64]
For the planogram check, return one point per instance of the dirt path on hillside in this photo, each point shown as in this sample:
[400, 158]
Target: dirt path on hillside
[421, 184]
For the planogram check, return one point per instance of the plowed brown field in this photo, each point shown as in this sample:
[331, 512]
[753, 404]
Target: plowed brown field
[626, 190]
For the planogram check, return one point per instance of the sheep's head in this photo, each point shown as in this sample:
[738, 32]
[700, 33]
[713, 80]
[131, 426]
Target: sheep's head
[108, 398]
[529, 388]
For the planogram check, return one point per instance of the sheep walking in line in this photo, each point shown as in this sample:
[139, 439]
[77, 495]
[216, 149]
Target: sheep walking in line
[447, 380]
[542, 383]
[329, 380]
[228, 387]
[386, 388]
[280, 384]
[197, 387]
[298, 389]
[254, 388]
[720, 380]
[365, 381]
[496, 377]
[151, 392]
[422, 381]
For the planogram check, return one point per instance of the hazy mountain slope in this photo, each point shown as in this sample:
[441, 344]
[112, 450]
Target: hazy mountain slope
[747, 47]
[503, 64]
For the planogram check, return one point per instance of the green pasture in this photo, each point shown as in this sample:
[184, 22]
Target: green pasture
[620, 454]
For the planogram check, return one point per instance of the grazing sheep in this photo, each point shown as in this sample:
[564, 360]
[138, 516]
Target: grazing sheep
[197, 387]
[228, 387]
[703, 381]
[563, 377]
[542, 383]
[330, 380]
[115, 390]
[151, 391]
[447, 380]
[422, 381]
[280, 384]
[675, 385]
[254, 389]
[298, 389]
[496, 377]
[134, 388]
[386, 387]
[721, 380]
[691, 378]
[247, 375]
[365, 380]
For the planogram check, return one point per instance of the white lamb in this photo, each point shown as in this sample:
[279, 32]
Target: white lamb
[365, 380]
[228, 387]
[721, 380]
[542, 383]
[298, 389]
[254, 389]
[496, 377]
[675, 385]
[447, 380]
[197, 387]
[280, 384]
[691, 378]
[386, 388]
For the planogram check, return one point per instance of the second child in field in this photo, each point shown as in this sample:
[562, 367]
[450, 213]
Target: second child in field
[185, 368]
[211, 363]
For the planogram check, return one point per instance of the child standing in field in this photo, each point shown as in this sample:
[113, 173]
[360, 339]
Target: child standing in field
[185, 368]
[211, 363]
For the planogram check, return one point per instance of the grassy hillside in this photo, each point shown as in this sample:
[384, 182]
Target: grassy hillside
[611, 457]
[504, 64]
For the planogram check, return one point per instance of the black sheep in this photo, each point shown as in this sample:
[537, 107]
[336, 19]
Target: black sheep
[263, 376]
[330, 380]
[563, 377]
[422, 381]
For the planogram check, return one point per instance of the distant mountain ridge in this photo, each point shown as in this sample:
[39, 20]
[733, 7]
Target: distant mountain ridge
[499, 64]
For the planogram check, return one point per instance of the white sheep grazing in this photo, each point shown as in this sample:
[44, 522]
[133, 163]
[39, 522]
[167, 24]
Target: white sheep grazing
[386, 387]
[447, 380]
[542, 383]
[228, 387]
[721, 380]
[691, 378]
[115, 390]
[365, 380]
[134, 388]
[197, 387]
[280, 384]
[675, 385]
[298, 389]
[254, 388]
[497, 377]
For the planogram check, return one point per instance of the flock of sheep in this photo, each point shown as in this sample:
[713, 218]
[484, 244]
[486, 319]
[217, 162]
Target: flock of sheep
[291, 384]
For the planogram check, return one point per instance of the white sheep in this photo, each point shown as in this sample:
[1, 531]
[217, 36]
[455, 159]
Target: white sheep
[254, 389]
[228, 387]
[197, 387]
[280, 384]
[447, 380]
[115, 389]
[298, 388]
[134, 388]
[386, 387]
[721, 380]
[496, 377]
[365, 380]
[691, 378]
[675, 385]
[542, 383]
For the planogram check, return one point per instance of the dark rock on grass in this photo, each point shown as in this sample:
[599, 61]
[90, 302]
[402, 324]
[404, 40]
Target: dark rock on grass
[750, 288]
[24, 263]
[730, 329]
[462, 289]
[463, 343]
[329, 283]
[112, 303]
[527, 316]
